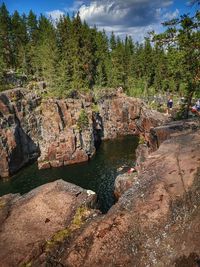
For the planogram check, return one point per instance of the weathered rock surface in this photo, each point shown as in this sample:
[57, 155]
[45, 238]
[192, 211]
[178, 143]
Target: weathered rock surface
[62, 142]
[19, 130]
[122, 115]
[155, 222]
[33, 223]
[32, 128]
[174, 128]
[123, 182]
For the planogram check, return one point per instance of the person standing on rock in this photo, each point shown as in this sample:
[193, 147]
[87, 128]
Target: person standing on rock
[169, 104]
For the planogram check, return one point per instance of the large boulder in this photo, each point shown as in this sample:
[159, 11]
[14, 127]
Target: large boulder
[32, 224]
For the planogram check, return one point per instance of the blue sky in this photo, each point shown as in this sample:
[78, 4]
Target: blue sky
[132, 17]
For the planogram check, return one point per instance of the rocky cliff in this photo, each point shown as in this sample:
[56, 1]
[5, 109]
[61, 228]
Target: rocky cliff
[61, 132]
[154, 223]
[20, 130]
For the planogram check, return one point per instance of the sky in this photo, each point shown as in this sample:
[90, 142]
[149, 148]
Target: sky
[124, 17]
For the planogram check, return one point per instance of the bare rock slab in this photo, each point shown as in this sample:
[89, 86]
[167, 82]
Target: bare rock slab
[156, 221]
[28, 222]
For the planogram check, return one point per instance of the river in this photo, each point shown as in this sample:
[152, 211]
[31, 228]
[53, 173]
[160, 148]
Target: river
[98, 174]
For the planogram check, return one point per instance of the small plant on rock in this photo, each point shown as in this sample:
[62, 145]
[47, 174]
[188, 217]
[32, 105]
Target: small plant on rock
[142, 140]
[83, 121]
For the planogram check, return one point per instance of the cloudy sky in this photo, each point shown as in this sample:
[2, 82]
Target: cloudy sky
[132, 17]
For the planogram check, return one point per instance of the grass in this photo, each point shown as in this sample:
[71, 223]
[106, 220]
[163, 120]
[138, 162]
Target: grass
[2, 204]
[28, 264]
[62, 234]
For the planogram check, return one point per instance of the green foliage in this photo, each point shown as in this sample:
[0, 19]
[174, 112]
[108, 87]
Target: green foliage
[182, 38]
[83, 121]
[72, 57]
[95, 108]
[27, 264]
[142, 140]
[101, 92]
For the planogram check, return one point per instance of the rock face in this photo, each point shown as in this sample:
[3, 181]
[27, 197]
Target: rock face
[62, 142]
[122, 115]
[123, 182]
[155, 222]
[19, 130]
[33, 223]
[159, 134]
[47, 130]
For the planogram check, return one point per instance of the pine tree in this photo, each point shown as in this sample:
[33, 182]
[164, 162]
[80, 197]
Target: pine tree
[117, 75]
[2, 70]
[128, 61]
[65, 64]
[102, 58]
[78, 72]
[32, 30]
[19, 41]
[5, 35]
[46, 52]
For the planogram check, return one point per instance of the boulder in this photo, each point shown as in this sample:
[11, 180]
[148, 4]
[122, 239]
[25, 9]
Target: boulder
[123, 182]
[34, 223]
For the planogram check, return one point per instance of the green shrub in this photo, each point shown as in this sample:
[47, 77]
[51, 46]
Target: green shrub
[83, 121]
[95, 108]
[142, 140]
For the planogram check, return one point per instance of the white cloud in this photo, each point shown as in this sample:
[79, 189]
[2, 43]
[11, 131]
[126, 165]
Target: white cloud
[55, 14]
[76, 5]
[171, 15]
[133, 17]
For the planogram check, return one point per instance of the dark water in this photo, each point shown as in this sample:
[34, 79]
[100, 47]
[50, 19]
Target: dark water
[98, 174]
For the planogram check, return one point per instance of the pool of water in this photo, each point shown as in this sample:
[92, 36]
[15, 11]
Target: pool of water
[98, 174]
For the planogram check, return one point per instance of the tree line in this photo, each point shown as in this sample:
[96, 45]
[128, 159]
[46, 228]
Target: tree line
[71, 56]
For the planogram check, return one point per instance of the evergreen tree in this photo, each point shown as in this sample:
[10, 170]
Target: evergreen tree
[65, 64]
[102, 58]
[47, 56]
[2, 70]
[117, 77]
[77, 45]
[128, 61]
[160, 69]
[32, 30]
[19, 41]
[5, 35]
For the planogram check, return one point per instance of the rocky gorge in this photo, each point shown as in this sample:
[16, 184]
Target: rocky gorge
[58, 132]
[156, 219]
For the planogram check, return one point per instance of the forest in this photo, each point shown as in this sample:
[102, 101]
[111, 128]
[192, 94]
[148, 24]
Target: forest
[71, 56]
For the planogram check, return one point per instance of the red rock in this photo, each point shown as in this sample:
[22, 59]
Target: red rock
[49, 128]
[155, 222]
[30, 222]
